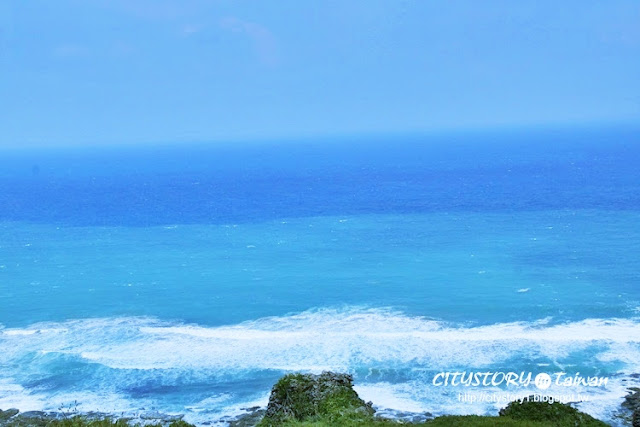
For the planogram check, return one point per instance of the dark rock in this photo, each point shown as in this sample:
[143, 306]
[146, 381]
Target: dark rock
[159, 416]
[34, 414]
[301, 396]
[32, 419]
[632, 403]
[250, 419]
[151, 416]
[632, 400]
[94, 415]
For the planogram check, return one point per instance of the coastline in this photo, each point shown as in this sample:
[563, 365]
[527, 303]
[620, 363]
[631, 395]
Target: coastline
[329, 399]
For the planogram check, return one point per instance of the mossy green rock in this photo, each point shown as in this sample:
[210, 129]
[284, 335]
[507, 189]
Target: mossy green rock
[553, 414]
[330, 396]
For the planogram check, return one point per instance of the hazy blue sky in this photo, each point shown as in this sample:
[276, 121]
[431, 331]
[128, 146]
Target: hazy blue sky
[101, 71]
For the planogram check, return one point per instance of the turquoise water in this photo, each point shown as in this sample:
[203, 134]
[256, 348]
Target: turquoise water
[188, 281]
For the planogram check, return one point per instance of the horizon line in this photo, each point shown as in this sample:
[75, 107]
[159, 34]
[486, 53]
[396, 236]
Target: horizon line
[630, 125]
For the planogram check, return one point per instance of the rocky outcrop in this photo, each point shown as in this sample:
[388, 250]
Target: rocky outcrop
[305, 396]
[632, 403]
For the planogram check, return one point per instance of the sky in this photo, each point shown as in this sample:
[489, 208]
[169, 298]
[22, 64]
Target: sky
[83, 72]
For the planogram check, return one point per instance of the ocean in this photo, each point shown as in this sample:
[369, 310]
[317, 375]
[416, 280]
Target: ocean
[187, 278]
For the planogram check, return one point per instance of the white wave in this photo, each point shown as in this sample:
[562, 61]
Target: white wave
[343, 340]
[400, 397]
[201, 412]
[323, 339]
[204, 404]
[414, 397]
[16, 396]
[604, 403]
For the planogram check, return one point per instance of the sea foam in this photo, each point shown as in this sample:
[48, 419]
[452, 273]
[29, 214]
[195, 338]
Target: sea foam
[128, 360]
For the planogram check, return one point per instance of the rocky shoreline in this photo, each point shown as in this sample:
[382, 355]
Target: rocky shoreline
[327, 398]
[632, 403]
[13, 417]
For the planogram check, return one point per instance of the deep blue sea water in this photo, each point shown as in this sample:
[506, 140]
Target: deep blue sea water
[187, 278]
